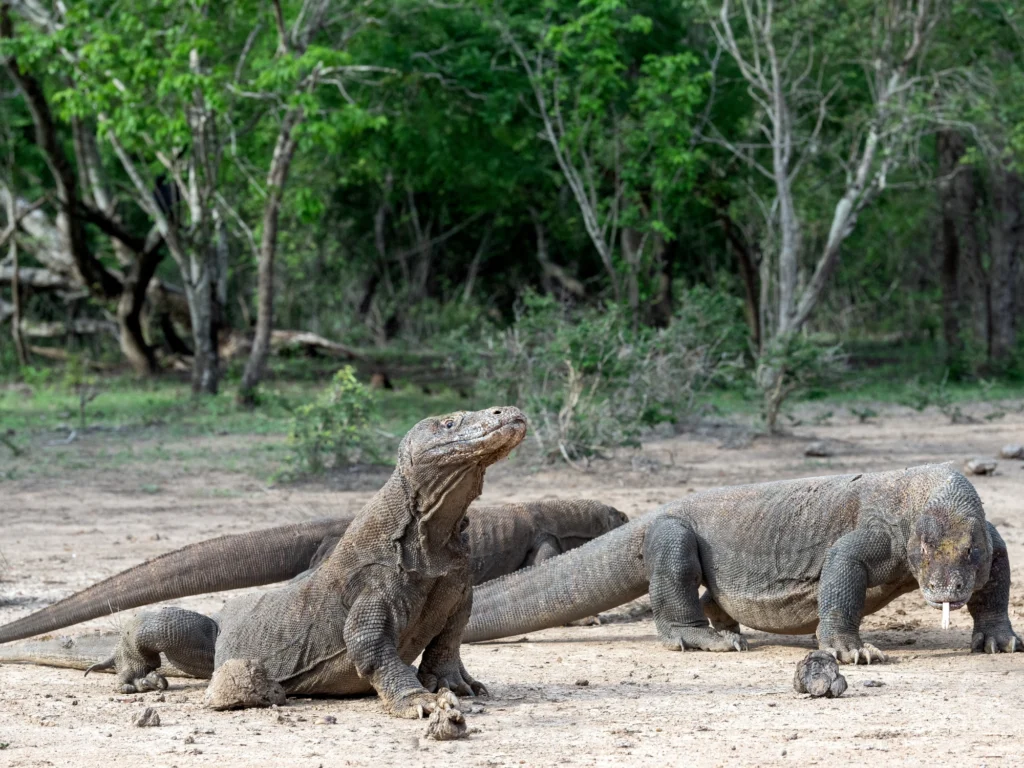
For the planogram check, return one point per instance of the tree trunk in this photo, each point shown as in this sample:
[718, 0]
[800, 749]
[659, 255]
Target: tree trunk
[1007, 242]
[632, 243]
[277, 177]
[663, 305]
[474, 266]
[129, 312]
[202, 310]
[749, 273]
[19, 342]
[973, 278]
[950, 149]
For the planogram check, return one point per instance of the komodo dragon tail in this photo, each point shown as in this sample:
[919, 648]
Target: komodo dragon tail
[242, 560]
[598, 576]
[70, 652]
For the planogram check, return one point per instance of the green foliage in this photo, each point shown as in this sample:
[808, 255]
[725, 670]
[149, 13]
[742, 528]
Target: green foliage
[794, 364]
[78, 379]
[589, 382]
[336, 429]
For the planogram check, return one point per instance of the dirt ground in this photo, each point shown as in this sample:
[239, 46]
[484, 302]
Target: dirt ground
[641, 705]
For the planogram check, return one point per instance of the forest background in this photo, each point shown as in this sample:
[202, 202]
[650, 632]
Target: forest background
[326, 219]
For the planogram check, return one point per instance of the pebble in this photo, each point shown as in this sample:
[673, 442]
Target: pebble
[148, 718]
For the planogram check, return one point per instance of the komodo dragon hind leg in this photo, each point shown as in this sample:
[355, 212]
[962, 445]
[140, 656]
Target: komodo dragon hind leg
[720, 620]
[185, 637]
[674, 575]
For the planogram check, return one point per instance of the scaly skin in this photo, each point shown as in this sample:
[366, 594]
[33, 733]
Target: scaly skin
[501, 539]
[396, 585]
[788, 557]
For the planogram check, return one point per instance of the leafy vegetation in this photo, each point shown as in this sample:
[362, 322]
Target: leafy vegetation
[335, 429]
[611, 212]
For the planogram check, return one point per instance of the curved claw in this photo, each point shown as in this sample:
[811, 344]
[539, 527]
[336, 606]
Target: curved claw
[998, 641]
[865, 654]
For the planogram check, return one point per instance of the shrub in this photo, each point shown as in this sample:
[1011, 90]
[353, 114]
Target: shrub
[336, 428]
[793, 364]
[589, 380]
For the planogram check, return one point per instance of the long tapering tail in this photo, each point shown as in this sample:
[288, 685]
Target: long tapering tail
[598, 576]
[227, 562]
[71, 653]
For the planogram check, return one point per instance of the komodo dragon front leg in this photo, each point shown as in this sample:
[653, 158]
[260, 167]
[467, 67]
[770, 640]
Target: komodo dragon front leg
[859, 560]
[989, 606]
[670, 552]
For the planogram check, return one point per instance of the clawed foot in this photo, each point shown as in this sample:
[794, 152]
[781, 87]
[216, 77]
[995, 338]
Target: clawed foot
[996, 640]
[455, 679]
[137, 680]
[151, 682]
[854, 652]
[704, 639]
[419, 704]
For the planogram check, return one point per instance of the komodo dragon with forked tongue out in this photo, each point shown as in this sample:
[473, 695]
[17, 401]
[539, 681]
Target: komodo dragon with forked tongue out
[787, 557]
[502, 539]
[395, 586]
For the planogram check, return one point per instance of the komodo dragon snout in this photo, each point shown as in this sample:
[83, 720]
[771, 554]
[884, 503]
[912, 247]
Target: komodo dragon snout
[487, 436]
[950, 554]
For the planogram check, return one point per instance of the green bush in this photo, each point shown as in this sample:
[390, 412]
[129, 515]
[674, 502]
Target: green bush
[336, 429]
[589, 380]
[794, 364]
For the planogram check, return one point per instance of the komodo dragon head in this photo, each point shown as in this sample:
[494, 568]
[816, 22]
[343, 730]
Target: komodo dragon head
[444, 458]
[950, 548]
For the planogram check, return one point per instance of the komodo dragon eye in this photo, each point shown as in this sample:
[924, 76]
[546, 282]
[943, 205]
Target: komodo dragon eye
[448, 423]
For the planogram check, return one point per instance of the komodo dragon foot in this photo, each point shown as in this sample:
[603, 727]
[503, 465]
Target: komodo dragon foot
[703, 639]
[851, 650]
[453, 677]
[420, 703]
[998, 639]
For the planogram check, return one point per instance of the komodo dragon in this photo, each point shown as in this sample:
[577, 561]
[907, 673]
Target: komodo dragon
[787, 557]
[396, 585]
[501, 539]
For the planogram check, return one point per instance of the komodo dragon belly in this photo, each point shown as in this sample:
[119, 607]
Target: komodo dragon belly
[298, 634]
[790, 607]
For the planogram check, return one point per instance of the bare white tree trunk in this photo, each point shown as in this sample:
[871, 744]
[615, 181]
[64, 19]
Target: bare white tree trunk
[776, 88]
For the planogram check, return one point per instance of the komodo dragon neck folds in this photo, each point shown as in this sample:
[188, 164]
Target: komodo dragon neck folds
[786, 557]
[501, 539]
[396, 585]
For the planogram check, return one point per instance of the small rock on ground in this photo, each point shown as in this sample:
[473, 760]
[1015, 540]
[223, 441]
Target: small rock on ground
[820, 449]
[148, 718]
[1012, 451]
[242, 683]
[980, 466]
[818, 674]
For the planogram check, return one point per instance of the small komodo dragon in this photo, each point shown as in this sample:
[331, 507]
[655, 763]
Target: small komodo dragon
[787, 557]
[396, 585]
[502, 539]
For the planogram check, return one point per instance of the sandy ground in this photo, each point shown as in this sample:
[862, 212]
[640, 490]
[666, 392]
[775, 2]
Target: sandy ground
[641, 705]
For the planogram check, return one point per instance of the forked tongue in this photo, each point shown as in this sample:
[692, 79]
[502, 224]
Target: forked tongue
[945, 615]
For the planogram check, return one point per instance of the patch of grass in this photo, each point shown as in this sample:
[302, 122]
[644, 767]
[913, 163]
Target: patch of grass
[133, 424]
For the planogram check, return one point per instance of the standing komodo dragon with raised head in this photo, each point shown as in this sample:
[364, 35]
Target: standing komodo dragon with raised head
[502, 539]
[788, 557]
[395, 586]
